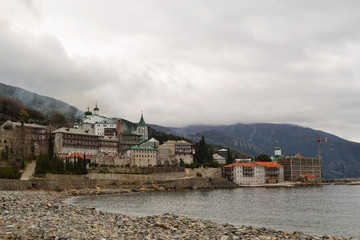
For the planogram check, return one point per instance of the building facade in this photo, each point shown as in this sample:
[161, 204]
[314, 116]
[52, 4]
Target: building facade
[142, 129]
[254, 173]
[181, 150]
[297, 165]
[71, 140]
[23, 140]
[219, 159]
[143, 156]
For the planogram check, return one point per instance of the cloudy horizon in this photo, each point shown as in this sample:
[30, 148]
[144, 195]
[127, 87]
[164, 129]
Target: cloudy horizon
[191, 62]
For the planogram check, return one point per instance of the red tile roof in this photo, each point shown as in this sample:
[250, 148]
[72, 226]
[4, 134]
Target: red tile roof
[268, 164]
[255, 164]
[76, 155]
[308, 176]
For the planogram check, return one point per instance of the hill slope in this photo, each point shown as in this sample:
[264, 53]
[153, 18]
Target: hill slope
[341, 158]
[44, 104]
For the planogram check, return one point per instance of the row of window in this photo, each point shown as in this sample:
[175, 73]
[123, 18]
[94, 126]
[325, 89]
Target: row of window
[81, 142]
[80, 137]
[142, 156]
[83, 147]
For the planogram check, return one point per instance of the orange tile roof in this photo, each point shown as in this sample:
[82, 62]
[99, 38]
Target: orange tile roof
[308, 176]
[76, 155]
[269, 164]
[255, 164]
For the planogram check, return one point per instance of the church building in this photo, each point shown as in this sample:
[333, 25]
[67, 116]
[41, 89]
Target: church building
[142, 129]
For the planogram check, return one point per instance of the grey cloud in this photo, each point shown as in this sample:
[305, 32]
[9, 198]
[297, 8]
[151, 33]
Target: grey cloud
[192, 62]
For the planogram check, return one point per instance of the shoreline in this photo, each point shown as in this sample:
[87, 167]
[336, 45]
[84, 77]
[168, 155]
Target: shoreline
[45, 214]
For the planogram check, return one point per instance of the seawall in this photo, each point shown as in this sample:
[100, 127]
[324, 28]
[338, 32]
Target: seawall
[66, 182]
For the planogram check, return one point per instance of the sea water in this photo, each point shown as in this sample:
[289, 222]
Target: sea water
[322, 210]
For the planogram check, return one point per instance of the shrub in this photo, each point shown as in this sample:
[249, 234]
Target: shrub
[10, 173]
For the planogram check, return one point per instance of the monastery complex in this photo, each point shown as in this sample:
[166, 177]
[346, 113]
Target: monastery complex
[98, 137]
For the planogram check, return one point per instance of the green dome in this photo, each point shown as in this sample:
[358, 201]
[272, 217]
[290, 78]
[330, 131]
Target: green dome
[277, 148]
[142, 122]
[96, 108]
[88, 112]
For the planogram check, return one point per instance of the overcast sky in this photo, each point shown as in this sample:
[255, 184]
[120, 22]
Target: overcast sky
[188, 62]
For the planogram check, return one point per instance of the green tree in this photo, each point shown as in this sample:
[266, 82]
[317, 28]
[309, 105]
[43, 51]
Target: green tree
[263, 158]
[202, 152]
[23, 116]
[229, 158]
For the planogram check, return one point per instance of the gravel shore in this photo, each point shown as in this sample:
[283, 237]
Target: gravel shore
[44, 215]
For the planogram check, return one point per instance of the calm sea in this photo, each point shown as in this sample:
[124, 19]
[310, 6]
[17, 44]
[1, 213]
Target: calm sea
[323, 210]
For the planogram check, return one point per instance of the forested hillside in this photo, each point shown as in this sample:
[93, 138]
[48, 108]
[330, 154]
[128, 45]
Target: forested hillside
[341, 158]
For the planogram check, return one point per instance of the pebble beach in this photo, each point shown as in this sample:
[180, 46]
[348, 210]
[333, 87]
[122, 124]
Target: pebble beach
[45, 215]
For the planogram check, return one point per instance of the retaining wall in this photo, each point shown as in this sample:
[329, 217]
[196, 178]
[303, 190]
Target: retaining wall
[64, 182]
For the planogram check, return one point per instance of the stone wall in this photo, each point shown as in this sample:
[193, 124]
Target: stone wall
[12, 185]
[109, 160]
[133, 178]
[138, 170]
[46, 184]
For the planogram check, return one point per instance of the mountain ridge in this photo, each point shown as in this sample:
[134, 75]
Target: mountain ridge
[44, 104]
[340, 156]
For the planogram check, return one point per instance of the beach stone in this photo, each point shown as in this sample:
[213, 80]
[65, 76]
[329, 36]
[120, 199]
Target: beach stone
[45, 215]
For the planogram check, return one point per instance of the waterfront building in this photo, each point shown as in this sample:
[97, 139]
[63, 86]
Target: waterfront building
[306, 178]
[296, 165]
[22, 140]
[254, 173]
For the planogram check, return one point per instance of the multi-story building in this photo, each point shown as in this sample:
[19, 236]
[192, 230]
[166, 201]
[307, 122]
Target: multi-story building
[106, 128]
[223, 152]
[71, 140]
[297, 165]
[219, 159]
[23, 140]
[167, 155]
[129, 140]
[142, 156]
[254, 173]
[99, 125]
[181, 150]
[109, 145]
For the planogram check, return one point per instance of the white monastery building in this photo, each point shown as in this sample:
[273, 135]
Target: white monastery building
[254, 173]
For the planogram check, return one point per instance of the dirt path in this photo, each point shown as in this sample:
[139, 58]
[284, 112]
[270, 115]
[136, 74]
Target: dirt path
[29, 171]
